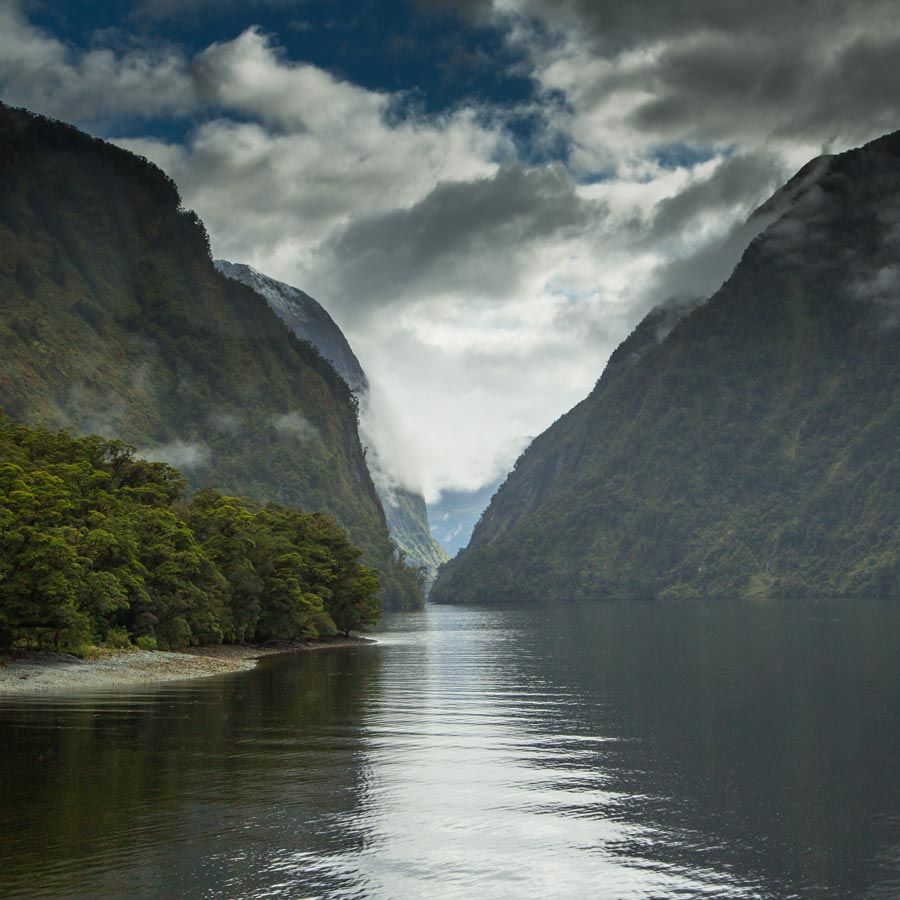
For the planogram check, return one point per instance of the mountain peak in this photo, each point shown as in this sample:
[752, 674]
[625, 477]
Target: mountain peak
[305, 317]
[748, 449]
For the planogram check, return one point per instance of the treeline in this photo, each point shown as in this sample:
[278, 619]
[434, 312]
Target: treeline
[98, 546]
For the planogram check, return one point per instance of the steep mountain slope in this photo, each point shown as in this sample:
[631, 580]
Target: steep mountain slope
[114, 320]
[455, 514]
[407, 517]
[305, 317]
[749, 447]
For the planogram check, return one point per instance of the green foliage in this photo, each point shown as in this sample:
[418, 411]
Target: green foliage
[98, 546]
[751, 450]
[114, 320]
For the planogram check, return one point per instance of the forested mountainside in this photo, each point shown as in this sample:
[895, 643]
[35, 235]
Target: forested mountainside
[748, 447]
[407, 516]
[113, 320]
[100, 547]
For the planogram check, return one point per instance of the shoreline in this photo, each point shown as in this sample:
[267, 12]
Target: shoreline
[32, 672]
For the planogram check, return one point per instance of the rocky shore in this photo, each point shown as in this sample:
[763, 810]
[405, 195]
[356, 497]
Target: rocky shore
[31, 672]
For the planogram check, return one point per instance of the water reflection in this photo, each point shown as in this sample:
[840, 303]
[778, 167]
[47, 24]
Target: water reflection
[687, 750]
[184, 790]
[478, 783]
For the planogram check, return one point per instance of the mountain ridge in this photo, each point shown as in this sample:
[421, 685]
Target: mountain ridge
[113, 320]
[720, 459]
[307, 319]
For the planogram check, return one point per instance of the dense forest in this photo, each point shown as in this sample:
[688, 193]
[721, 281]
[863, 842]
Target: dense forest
[744, 447]
[98, 546]
[114, 321]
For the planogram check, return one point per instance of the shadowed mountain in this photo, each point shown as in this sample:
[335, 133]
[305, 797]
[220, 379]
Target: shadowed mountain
[407, 516]
[745, 447]
[113, 320]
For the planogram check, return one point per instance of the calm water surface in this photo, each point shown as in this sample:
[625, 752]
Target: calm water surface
[600, 750]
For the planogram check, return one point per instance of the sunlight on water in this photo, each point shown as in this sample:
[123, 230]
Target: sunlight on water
[605, 751]
[475, 786]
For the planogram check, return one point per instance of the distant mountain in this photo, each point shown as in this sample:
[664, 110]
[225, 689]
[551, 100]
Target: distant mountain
[113, 320]
[746, 447]
[407, 516]
[455, 515]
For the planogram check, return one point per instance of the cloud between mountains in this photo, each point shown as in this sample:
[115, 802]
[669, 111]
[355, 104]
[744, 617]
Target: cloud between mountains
[483, 292]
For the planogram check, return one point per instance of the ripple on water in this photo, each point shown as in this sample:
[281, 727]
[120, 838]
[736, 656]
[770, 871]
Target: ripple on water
[601, 751]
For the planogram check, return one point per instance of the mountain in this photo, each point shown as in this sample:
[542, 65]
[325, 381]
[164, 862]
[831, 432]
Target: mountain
[306, 318]
[745, 447]
[455, 514]
[113, 320]
[407, 516]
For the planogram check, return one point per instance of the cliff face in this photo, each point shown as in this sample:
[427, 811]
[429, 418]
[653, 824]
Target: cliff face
[114, 320]
[407, 516]
[747, 447]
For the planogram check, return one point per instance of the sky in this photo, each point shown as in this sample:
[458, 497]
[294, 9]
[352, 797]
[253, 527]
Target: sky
[487, 195]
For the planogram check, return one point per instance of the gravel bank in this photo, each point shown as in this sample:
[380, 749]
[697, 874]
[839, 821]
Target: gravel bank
[28, 673]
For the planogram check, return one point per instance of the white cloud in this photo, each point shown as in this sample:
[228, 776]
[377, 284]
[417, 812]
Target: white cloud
[44, 74]
[296, 425]
[482, 294]
[178, 453]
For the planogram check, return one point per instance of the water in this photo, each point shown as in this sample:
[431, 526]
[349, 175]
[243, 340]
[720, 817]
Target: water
[600, 750]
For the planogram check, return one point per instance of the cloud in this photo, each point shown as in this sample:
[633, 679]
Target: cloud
[739, 179]
[620, 81]
[882, 288]
[250, 75]
[484, 291]
[482, 295]
[287, 158]
[178, 453]
[227, 422]
[463, 238]
[96, 85]
[295, 425]
[694, 271]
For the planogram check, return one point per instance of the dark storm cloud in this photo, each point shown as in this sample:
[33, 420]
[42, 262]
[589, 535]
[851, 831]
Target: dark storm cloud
[822, 71]
[733, 184]
[613, 26]
[725, 88]
[465, 236]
